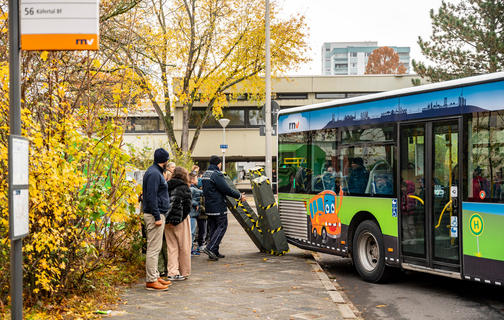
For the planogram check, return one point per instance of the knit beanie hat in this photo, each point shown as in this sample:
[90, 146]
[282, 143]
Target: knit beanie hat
[358, 161]
[215, 160]
[161, 155]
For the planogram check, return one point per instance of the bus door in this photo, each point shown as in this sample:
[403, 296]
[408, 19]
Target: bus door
[428, 203]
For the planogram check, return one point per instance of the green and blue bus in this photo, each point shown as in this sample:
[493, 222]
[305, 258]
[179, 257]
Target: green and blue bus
[409, 179]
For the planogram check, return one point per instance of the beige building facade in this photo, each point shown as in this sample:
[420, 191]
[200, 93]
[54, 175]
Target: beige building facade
[242, 134]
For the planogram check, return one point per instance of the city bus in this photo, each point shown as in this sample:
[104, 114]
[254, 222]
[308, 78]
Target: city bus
[408, 179]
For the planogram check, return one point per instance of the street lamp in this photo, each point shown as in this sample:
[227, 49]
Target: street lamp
[224, 122]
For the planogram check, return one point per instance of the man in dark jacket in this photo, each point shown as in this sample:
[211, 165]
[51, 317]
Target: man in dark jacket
[156, 203]
[358, 178]
[215, 190]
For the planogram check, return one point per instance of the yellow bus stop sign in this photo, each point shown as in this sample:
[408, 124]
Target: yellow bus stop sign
[476, 224]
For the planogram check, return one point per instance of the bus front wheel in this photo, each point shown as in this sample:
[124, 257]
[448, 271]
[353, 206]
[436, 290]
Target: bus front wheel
[369, 252]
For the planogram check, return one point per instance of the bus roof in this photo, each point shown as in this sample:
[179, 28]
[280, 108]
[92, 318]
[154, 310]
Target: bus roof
[400, 92]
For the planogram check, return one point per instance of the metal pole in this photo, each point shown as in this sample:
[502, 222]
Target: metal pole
[267, 112]
[16, 253]
[224, 153]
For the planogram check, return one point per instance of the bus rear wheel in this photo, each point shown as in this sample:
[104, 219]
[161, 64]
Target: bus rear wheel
[369, 253]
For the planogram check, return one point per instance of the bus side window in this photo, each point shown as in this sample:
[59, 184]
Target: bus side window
[320, 204]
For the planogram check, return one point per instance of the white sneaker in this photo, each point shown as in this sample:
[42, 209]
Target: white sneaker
[175, 278]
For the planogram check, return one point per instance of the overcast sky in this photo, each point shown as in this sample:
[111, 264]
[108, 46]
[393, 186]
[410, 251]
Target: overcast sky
[390, 22]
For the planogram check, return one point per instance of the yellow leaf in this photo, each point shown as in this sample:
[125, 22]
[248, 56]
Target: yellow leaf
[44, 55]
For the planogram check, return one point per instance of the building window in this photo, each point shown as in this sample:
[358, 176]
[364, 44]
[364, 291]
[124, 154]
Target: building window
[240, 118]
[327, 49]
[139, 124]
[341, 65]
[197, 116]
[340, 55]
[284, 96]
[368, 54]
[353, 65]
[403, 54]
[330, 96]
[351, 95]
[353, 54]
[255, 118]
[146, 124]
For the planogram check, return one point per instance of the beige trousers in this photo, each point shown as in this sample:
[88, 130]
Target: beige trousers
[178, 241]
[154, 245]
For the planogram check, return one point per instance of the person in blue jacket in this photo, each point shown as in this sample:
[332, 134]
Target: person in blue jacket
[215, 190]
[195, 208]
[156, 204]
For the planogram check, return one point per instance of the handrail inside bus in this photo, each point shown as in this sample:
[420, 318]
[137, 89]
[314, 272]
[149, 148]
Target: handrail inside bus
[442, 212]
[418, 198]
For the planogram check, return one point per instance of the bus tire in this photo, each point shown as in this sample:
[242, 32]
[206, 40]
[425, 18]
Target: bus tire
[324, 234]
[314, 233]
[369, 253]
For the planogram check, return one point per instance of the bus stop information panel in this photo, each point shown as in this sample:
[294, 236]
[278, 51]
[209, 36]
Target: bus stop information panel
[59, 25]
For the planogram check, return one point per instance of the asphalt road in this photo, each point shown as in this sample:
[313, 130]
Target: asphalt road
[415, 295]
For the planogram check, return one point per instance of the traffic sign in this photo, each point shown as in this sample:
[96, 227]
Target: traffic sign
[275, 108]
[223, 146]
[476, 224]
[59, 25]
[223, 150]
[262, 130]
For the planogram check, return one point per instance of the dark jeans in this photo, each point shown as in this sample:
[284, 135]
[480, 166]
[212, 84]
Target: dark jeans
[202, 231]
[218, 226]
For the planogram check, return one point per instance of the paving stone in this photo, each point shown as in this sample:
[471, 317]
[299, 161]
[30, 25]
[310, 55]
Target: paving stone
[275, 287]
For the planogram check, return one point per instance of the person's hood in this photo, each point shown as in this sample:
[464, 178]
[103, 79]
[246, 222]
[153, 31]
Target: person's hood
[213, 167]
[174, 183]
[410, 187]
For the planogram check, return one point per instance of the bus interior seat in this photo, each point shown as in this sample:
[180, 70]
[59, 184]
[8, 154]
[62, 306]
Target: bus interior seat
[381, 167]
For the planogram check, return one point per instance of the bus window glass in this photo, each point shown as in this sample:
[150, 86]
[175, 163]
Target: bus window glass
[485, 133]
[294, 163]
[368, 135]
[367, 170]
[323, 152]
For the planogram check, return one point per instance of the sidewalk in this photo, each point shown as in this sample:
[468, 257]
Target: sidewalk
[245, 284]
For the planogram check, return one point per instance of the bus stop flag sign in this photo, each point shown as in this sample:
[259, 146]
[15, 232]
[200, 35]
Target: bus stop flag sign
[59, 25]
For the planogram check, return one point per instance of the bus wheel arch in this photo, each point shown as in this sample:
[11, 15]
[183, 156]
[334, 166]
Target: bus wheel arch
[368, 249]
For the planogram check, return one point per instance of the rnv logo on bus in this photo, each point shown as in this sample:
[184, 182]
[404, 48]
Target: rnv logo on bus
[294, 125]
[84, 41]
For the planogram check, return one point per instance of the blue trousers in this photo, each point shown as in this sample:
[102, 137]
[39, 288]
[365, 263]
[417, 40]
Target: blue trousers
[218, 226]
[193, 230]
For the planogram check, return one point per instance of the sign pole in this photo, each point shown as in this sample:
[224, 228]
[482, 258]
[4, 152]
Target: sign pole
[268, 166]
[223, 150]
[16, 252]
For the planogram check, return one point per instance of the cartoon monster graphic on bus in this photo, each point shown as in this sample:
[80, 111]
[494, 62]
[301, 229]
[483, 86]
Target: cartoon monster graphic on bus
[325, 222]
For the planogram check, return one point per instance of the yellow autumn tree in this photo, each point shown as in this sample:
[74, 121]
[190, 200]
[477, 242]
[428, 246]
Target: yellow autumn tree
[205, 48]
[82, 209]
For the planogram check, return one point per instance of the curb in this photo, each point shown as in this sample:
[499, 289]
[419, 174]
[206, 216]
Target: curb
[346, 307]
